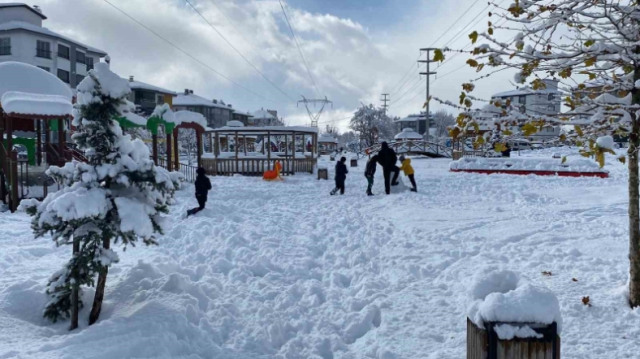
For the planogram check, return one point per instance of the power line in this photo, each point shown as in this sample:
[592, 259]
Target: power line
[293, 34]
[413, 87]
[405, 75]
[234, 26]
[186, 53]
[405, 82]
[236, 50]
[454, 23]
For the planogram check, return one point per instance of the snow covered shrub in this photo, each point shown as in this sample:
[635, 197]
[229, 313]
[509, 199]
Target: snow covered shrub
[118, 196]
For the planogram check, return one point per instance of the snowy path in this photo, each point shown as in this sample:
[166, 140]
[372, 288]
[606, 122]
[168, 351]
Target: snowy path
[282, 270]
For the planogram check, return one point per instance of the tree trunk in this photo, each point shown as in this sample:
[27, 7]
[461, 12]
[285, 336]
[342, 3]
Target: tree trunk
[634, 203]
[75, 292]
[102, 283]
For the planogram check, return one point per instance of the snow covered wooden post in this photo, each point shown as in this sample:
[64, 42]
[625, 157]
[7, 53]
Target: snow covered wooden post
[169, 160]
[176, 150]
[512, 319]
[13, 169]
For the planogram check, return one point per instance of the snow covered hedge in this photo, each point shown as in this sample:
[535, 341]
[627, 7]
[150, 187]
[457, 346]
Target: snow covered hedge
[526, 164]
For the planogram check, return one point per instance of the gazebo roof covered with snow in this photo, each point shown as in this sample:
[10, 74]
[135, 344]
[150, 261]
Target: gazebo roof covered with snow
[408, 134]
[327, 138]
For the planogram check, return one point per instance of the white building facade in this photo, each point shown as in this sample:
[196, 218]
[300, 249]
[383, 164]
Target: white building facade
[536, 103]
[23, 39]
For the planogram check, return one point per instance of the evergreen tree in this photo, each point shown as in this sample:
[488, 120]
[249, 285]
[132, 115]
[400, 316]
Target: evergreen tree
[117, 197]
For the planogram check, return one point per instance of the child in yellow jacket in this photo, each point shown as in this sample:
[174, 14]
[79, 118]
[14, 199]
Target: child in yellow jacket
[409, 172]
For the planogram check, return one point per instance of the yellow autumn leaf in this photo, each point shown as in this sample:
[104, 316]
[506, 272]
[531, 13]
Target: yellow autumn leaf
[589, 43]
[490, 31]
[564, 159]
[476, 127]
[438, 55]
[507, 133]
[500, 147]
[590, 61]
[462, 97]
[622, 159]
[566, 72]
[579, 131]
[563, 137]
[468, 103]
[479, 68]
[472, 63]
[474, 37]
[454, 132]
[529, 129]
[600, 159]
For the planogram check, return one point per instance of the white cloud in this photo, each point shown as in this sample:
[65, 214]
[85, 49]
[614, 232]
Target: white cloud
[350, 63]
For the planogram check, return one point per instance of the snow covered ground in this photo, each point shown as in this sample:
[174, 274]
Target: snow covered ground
[283, 270]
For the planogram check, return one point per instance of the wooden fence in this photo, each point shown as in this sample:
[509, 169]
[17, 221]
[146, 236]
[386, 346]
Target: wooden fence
[189, 172]
[256, 167]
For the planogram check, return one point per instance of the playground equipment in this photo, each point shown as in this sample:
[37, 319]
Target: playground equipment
[274, 174]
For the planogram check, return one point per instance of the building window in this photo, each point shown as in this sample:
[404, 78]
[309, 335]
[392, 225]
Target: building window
[45, 68]
[523, 109]
[79, 79]
[5, 46]
[63, 75]
[522, 99]
[160, 99]
[43, 49]
[89, 63]
[80, 57]
[551, 97]
[551, 107]
[63, 51]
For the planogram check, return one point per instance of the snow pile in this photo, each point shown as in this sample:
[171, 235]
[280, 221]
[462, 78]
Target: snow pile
[605, 142]
[21, 77]
[35, 104]
[508, 332]
[408, 134]
[502, 296]
[525, 164]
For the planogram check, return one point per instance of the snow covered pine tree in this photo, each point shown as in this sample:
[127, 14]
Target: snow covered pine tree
[592, 48]
[118, 196]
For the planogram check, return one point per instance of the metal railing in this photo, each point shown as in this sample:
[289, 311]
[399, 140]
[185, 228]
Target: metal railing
[256, 167]
[189, 172]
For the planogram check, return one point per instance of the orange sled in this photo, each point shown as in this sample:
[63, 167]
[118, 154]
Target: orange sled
[274, 174]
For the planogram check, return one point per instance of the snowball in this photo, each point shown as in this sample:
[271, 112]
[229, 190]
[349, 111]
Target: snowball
[605, 142]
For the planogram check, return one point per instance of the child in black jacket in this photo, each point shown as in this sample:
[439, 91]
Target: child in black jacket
[203, 186]
[341, 176]
[369, 173]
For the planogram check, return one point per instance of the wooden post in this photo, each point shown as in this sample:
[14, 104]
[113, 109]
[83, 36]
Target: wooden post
[38, 142]
[200, 149]
[176, 150]
[236, 145]
[216, 150]
[61, 143]
[154, 141]
[294, 145]
[8, 126]
[14, 180]
[211, 143]
[244, 144]
[47, 141]
[169, 160]
[269, 148]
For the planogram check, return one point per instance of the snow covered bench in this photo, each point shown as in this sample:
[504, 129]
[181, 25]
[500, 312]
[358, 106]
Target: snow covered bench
[527, 166]
[512, 319]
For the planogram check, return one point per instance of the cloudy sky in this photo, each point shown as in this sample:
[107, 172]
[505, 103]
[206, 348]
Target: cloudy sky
[355, 49]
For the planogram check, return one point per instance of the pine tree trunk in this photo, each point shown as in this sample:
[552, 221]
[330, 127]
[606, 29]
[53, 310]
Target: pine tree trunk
[634, 204]
[102, 283]
[75, 292]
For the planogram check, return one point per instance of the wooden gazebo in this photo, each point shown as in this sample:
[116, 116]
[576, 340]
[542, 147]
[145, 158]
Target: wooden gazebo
[294, 159]
[327, 144]
[29, 97]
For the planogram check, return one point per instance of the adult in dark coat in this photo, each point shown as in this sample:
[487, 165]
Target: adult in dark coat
[387, 158]
[203, 186]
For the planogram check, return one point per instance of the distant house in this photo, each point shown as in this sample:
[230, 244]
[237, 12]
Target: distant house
[535, 103]
[416, 122]
[23, 39]
[264, 117]
[147, 97]
[216, 112]
[243, 117]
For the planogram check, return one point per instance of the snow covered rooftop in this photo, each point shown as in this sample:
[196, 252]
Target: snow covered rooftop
[327, 138]
[21, 25]
[21, 77]
[263, 114]
[523, 92]
[235, 124]
[190, 117]
[408, 134]
[145, 86]
[265, 129]
[411, 118]
[20, 4]
[23, 103]
[195, 100]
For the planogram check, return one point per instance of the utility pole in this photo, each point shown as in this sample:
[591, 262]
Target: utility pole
[385, 99]
[428, 75]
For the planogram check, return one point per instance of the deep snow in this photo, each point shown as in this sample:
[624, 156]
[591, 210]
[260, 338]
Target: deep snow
[283, 270]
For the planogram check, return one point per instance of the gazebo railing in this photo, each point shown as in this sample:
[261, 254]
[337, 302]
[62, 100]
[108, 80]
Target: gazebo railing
[256, 167]
[189, 172]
